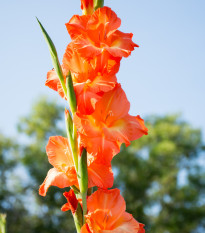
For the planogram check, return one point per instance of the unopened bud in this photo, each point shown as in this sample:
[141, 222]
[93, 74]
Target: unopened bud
[71, 93]
[87, 7]
[83, 172]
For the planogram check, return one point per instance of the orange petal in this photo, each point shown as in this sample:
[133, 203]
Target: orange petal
[102, 221]
[106, 63]
[87, 69]
[52, 80]
[126, 224]
[88, 81]
[114, 105]
[101, 148]
[86, 101]
[75, 63]
[85, 229]
[61, 91]
[100, 175]
[110, 200]
[88, 94]
[126, 129]
[103, 83]
[85, 48]
[77, 25]
[136, 127]
[72, 202]
[121, 44]
[54, 178]
[86, 125]
[102, 23]
[54, 83]
[59, 153]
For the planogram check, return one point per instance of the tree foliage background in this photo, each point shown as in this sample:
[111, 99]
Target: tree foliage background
[161, 176]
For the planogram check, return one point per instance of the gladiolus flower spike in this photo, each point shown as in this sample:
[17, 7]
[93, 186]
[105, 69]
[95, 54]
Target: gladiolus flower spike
[97, 122]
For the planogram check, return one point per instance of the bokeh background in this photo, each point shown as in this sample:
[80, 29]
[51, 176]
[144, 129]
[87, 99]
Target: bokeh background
[163, 178]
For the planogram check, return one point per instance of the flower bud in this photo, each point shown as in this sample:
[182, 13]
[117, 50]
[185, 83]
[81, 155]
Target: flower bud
[87, 7]
[69, 124]
[71, 93]
[83, 172]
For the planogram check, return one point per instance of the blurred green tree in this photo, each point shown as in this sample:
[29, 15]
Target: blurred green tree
[23, 167]
[160, 176]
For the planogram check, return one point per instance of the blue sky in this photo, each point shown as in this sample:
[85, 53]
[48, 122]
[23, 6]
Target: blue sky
[166, 74]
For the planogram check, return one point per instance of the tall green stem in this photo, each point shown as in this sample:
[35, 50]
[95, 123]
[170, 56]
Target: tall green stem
[81, 167]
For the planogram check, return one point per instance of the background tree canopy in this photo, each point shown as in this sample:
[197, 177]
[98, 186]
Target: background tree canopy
[160, 175]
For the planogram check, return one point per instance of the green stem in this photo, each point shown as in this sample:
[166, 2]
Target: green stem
[70, 127]
[98, 4]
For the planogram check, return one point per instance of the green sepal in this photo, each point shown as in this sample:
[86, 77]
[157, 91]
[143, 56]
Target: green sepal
[83, 180]
[71, 137]
[98, 4]
[78, 218]
[90, 191]
[75, 189]
[69, 125]
[54, 56]
[71, 93]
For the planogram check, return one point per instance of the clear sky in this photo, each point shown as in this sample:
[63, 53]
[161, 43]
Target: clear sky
[165, 75]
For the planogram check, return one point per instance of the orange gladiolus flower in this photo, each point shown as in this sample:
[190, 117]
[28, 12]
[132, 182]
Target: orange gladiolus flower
[109, 126]
[106, 214]
[97, 33]
[64, 175]
[90, 79]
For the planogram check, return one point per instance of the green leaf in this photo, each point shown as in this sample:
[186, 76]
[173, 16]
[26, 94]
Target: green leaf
[54, 56]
